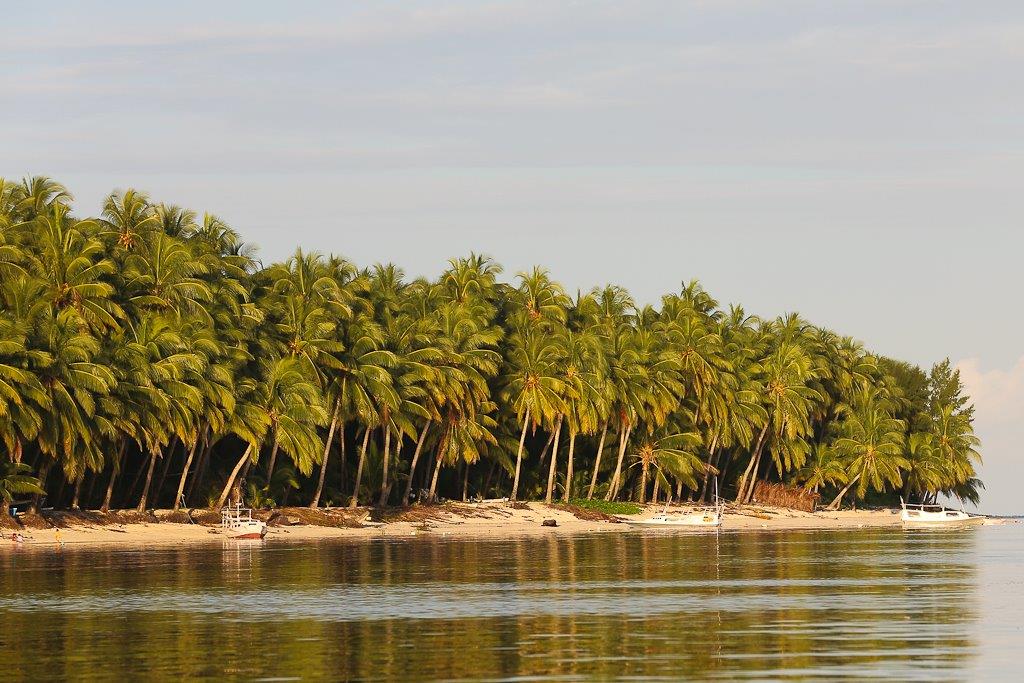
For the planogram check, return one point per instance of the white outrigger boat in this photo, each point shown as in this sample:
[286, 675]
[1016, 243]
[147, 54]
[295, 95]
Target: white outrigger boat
[935, 516]
[704, 516]
[238, 522]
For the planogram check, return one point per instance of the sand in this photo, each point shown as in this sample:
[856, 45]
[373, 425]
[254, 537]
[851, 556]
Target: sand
[453, 521]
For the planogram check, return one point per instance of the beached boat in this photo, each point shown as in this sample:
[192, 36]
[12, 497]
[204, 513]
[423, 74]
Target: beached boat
[935, 516]
[699, 517]
[238, 523]
[703, 516]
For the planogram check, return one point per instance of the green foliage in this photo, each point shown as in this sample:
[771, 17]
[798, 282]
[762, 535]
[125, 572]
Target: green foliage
[131, 337]
[608, 507]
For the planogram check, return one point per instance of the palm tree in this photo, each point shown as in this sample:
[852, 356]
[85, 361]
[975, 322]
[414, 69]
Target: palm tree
[15, 480]
[823, 468]
[789, 403]
[672, 453]
[291, 409]
[128, 217]
[872, 442]
[532, 386]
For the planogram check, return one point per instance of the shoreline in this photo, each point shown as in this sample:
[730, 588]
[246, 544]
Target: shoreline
[487, 520]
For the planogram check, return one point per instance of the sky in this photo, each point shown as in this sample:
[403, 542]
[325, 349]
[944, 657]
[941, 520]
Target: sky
[859, 162]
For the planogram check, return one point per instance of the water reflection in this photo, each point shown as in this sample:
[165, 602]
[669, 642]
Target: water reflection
[795, 605]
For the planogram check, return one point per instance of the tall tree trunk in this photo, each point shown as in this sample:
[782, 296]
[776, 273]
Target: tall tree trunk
[643, 482]
[519, 456]
[78, 490]
[838, 500]
[544, 451]
[327, 451]
[229, 484]
[383, 500]
[752, 483]
[654, 494]
[437, 473]
[344, 459]
[613, 488]
[465, 481]
[115, 469]
[554, 462]
[415, 459]
[149, 480]
[597, 461]
[707, 468]
[568, 467]
[742, 488]
[359, 468]
[273, 457]
[44, 471]
[179, 494]
[202, 465]
[163, 472]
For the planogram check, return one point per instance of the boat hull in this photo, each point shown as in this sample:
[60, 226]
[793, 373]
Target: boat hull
[687, 522]
[942, 523]
[252, 531]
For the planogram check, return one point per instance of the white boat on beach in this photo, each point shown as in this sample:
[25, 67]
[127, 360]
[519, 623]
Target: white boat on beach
[699, 517]
[935, 516]
[238, 523]
[703, 516]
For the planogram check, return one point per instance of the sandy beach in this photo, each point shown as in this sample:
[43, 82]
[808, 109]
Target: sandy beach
[461, 520]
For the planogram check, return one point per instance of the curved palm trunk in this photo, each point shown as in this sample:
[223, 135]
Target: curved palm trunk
[359, 468]
[465, 481]
[568, 467]
[742, 488]
[231, 478]
[838, 500]
[415, 459]
[752, 484]
[519, 456]
[437, 472]
[180, 493]
[383, 500]
[273, 458]
[707, 468]
[554, 462]
[78, 490]
[44, 472]
[327, 451]
[149, 480]
[613, 488]
[643, 483]
[202, 467]
[654, 494]
[166, 469]
[597, 461]
[114, 471]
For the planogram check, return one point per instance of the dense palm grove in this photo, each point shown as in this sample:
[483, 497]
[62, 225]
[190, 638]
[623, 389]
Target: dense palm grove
[147, 359]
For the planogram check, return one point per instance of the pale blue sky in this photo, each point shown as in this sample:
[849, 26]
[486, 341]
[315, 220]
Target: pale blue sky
[859, 162]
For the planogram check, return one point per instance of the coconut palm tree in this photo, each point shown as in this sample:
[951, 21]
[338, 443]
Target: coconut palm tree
[664, 453]
[872, 443]
[532, 386]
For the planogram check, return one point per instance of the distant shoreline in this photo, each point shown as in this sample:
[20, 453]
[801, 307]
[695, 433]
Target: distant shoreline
[488, 520]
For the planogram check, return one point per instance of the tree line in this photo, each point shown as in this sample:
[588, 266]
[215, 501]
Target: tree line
[147, 358]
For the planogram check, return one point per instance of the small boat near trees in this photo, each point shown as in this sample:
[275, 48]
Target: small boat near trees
[238, 523]
[703, 516]
[935, 516]
[699, 517]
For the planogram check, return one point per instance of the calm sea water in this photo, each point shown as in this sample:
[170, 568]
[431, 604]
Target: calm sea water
[855, 604]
